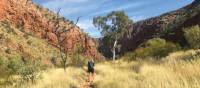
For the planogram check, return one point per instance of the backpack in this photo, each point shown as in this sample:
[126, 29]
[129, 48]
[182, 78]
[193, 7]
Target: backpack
[90, 65]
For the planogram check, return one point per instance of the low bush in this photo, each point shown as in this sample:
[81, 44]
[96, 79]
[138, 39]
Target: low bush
[192, 35]
[30, 71]
[156, 48]
[14, 65]
[129, 56]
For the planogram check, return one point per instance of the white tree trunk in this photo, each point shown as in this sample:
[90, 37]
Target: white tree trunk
[114, 52]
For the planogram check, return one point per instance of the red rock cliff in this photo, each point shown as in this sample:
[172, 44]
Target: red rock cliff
[27, 17]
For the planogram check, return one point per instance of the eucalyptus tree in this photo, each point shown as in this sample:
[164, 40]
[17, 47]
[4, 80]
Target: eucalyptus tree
[113, 26]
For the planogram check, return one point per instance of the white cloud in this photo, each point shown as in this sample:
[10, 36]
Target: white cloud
[69, 11]
[85, 24]
[123, 7]
[88, 27]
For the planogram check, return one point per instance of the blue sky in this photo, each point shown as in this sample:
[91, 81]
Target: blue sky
[87, 9]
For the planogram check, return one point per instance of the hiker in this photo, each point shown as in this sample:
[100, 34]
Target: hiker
[91, 66]
[91, 69]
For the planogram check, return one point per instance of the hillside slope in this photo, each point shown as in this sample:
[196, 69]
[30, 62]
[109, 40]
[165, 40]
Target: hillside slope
[168, 26]
[14, 46]
[30, 18]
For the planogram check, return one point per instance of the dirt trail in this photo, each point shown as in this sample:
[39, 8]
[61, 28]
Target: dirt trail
[88, 82]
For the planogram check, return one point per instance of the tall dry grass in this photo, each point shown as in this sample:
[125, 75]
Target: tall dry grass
[59, 79]
[178, 70]
[56, 78]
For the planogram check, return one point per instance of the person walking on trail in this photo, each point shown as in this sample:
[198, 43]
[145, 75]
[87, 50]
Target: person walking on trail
[91, 69]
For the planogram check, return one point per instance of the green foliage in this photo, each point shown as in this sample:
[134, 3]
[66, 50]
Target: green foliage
[129, 56]
[8, 68]
[29, 71]
[14, 65]
[156, 48]
[115, 24]
[192, 36]
[107, 42]
[167, 30]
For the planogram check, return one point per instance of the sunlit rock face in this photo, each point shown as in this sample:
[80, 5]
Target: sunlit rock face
[33, 19]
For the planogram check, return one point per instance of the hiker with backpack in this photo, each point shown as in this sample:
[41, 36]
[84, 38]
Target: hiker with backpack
[91, 68]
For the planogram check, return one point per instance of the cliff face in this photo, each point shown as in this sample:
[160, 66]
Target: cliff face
[168, 26]
[32, 19]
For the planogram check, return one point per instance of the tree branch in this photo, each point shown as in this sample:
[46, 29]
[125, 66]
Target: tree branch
[71, 27]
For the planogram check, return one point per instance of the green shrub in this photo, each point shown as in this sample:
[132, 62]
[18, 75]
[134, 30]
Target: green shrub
[14, 65]
[156, 48]
[30, 71]
[8, 69]
[129, 56]
[192, 36]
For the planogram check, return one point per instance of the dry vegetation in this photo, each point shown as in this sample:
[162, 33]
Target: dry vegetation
[57, 78]
[178, 70]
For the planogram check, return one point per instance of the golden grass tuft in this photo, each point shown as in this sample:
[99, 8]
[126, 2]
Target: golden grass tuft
[59, 79]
